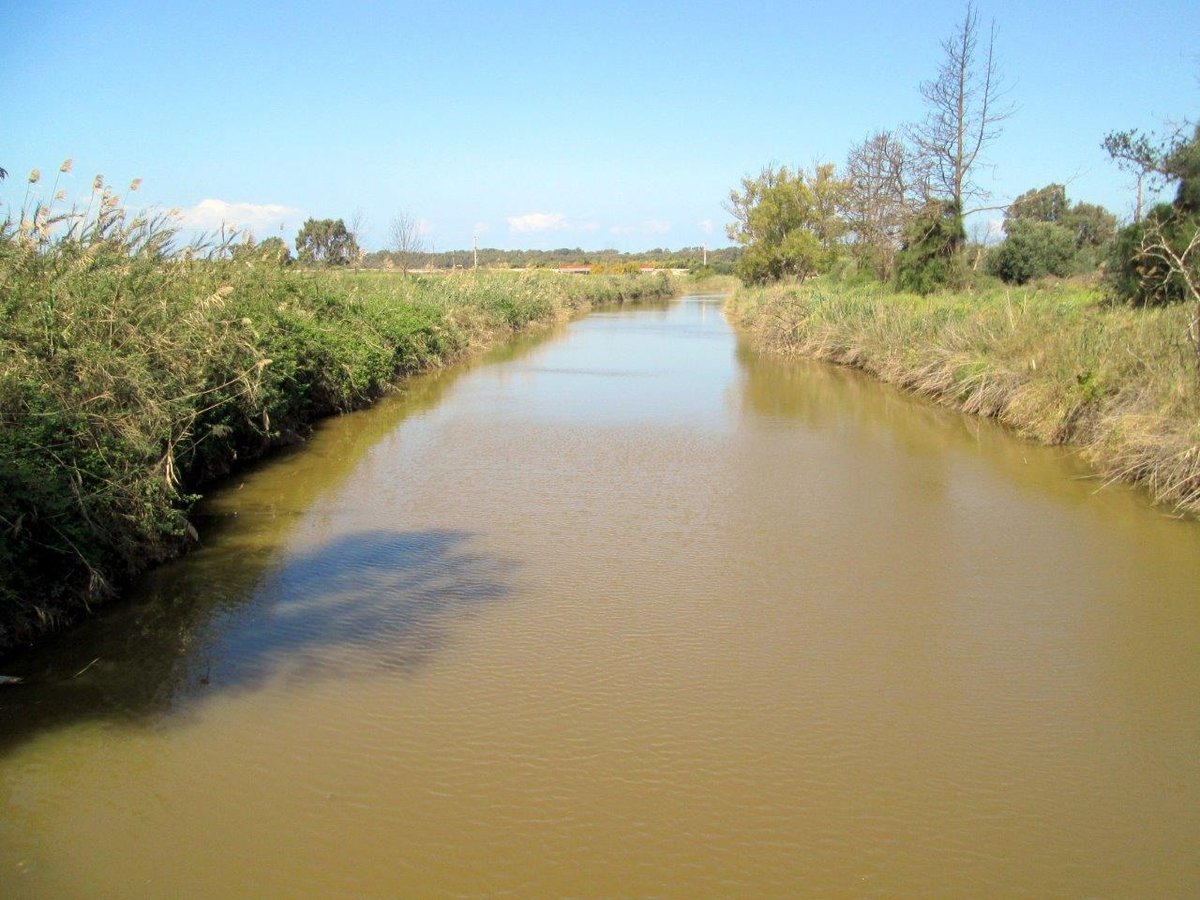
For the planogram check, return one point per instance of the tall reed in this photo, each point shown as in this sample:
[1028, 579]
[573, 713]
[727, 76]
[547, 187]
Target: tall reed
[133, 368]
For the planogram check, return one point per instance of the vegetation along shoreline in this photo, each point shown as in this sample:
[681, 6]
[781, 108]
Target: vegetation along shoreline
[1056, 361]
[132, 373]
[1072, 328]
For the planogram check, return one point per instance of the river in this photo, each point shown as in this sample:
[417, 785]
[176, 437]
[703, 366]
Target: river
[629, 609]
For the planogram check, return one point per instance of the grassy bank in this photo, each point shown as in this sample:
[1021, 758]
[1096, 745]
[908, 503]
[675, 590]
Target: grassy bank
[710, 284]
[1053, 361]
[129, 378]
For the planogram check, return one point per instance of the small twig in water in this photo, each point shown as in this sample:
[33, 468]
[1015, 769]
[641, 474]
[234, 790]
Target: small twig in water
[85, 668]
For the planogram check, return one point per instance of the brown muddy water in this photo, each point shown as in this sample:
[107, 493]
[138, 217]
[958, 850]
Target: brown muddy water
[630, 610]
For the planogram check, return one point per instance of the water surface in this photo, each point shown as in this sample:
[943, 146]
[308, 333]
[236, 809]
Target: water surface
[631, 610]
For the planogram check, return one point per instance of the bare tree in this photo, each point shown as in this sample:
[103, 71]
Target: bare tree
[887, 183]
[407, 242]
[964, 112]
[357, 226]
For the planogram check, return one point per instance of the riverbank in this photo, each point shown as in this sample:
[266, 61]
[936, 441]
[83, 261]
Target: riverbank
[1052, 361]
[129, 380]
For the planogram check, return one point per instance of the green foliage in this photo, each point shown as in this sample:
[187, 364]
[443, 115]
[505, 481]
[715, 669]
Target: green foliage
[326, 242]
[1150, 279]
[129, 376]
[1032, 249]
[1048, 204]
[492, 258]
[929, 258]
[1048, 236]
[1183, 164]
[788, 222]
[1155, 261]
[274, 250]
[271, 251]
[1092, 225]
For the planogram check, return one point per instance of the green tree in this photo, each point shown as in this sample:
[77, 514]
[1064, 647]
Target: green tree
[1157, 260]
[929, 258]
[1138, 153]
[1032, 249]
[273, 250]
[1183, 165]
[1046, 235]
[1048, 204]
[788, 222]
[326, 242]
[1092, 225]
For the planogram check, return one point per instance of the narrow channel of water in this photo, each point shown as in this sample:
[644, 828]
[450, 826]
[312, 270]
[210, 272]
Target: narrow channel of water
[631, 610]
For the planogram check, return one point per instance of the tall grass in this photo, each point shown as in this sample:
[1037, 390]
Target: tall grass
[132, 371]
[1053, 361]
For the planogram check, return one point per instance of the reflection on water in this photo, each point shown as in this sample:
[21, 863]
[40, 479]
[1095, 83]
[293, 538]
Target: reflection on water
[240, 608]
[632, 610]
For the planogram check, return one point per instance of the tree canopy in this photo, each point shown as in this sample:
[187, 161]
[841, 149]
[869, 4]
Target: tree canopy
[326, 242]
[788, 221]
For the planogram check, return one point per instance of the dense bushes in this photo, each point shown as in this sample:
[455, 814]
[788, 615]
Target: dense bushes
[1046, 235]
[128, 376]
[1032, 250]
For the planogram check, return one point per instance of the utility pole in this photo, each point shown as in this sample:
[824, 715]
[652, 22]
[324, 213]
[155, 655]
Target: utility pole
[706, 253]
[475, 250]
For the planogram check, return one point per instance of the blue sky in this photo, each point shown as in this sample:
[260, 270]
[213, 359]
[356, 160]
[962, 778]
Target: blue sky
[538, 124]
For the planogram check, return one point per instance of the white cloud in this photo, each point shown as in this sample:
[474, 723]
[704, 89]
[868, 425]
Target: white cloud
[481, 227]
[705, 225]
[210, 215]
[537, 222]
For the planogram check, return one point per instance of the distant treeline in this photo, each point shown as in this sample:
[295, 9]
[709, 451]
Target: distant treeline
[720, 261]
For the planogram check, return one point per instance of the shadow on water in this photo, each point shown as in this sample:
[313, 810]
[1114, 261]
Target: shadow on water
[224, 621]
[239, 610]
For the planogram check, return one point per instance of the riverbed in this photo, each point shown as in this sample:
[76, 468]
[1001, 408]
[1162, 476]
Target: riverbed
[629, 609]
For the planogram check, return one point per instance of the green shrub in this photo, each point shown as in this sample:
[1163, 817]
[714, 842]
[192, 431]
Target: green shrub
[1033, 249]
